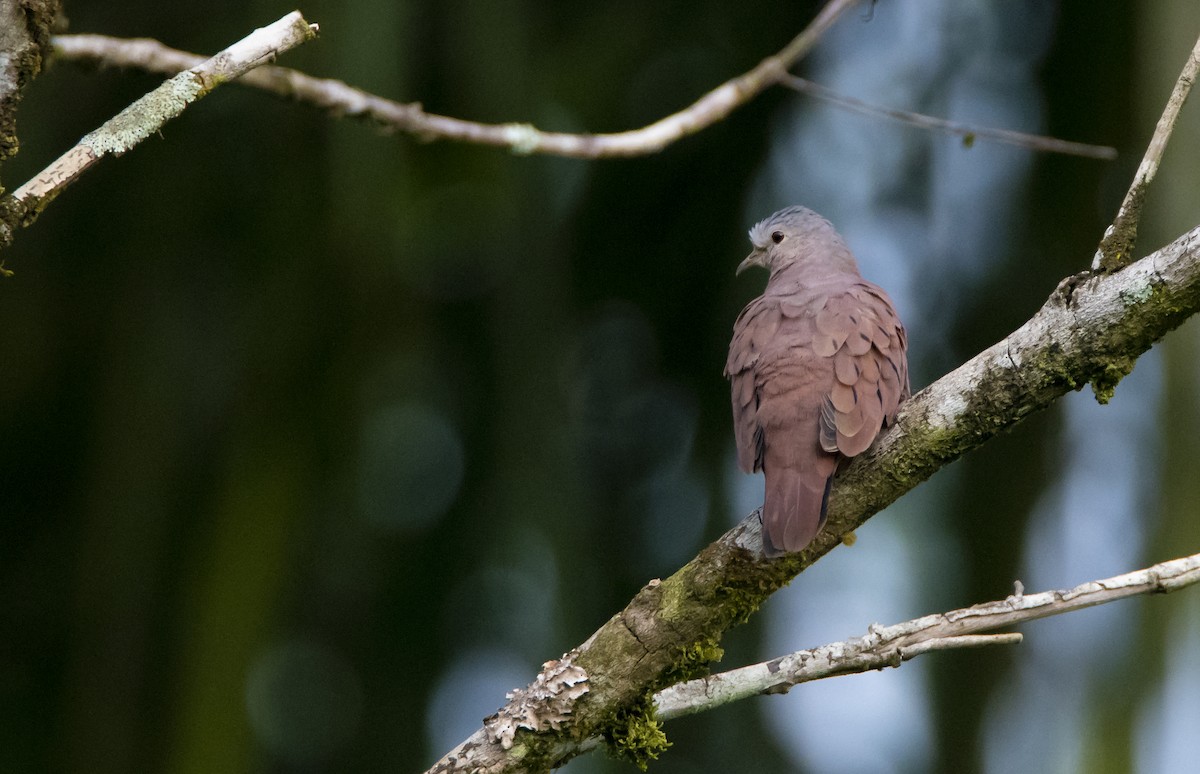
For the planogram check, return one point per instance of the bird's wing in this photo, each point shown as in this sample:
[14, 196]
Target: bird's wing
[769, 367]
[756, 321]
[860, 332]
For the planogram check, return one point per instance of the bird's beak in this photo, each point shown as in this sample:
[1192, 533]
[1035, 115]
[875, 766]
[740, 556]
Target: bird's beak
[755, 258]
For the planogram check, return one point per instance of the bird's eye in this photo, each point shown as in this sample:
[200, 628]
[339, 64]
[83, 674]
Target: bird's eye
[777, 237]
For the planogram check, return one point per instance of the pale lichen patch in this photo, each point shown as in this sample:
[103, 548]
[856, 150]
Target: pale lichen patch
[144, 117]
[1139, 292]
[544, 705]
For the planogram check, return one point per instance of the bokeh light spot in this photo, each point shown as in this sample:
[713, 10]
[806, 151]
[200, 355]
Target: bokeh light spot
[304, 701]
[410, 466]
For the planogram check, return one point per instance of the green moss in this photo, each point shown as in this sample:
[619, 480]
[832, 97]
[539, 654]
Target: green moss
[1116, 247]
[635, 734]
[692, 662]
[739, 602]
[748, 585]
[1105, 383]
[9, 144]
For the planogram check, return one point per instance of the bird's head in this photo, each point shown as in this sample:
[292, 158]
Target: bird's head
[795, 236]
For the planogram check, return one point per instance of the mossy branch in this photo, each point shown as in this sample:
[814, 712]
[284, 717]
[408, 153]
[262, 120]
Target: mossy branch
[1091, 330]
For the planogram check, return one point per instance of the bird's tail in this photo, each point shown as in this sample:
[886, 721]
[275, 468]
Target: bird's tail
[794, 507]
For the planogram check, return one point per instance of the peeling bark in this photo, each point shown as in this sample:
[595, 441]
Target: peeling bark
[24, 45]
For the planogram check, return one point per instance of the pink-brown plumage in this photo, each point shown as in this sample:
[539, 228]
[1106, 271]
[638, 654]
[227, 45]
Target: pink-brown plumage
[817, 366]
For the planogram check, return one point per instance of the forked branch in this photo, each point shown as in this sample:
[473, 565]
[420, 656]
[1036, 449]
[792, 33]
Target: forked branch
[889, 646]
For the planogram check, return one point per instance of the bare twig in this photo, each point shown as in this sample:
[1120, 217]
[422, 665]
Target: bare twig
[780, 674]
[147, 115]
[1116, 248]
[523, 138]
[889, 646]
[967, 132]
[342, 99]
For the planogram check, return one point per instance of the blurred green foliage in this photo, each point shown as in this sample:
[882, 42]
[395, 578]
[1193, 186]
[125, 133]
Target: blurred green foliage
[294, 413]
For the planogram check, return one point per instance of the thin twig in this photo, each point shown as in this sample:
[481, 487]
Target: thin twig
[889, 646]
[1116, 248]
[341, 99]
[967, 132]
[146, 116]
[779, 675]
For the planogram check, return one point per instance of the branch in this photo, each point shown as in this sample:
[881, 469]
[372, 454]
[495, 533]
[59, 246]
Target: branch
[1090, 330]
[862, 654]
[341, 99]
[24, 44]
[24, 39]
[522, 138]
[889, 646]
[147, 115]
[1116, 248]
[967, 132]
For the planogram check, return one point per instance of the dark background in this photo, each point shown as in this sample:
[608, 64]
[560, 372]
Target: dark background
[314, 440]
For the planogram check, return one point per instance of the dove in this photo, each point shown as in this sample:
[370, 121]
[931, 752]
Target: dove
[818, 369]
